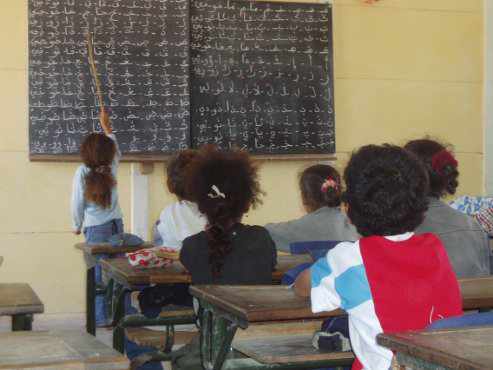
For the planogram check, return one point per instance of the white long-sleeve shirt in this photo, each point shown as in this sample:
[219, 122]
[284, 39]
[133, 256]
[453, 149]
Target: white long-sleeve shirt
[85, 213]
[179, 221]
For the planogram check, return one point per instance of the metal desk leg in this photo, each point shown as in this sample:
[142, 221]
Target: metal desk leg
[216, 336]
[22, 322]
[119, 314]
[91, 301]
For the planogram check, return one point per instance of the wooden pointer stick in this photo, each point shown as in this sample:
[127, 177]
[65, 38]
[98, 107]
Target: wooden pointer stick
[94, 70]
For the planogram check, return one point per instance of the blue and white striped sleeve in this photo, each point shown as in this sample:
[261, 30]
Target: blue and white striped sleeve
[324, 296]
[339, 280]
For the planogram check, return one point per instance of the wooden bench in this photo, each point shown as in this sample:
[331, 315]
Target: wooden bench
[21, 302]
[64, 350]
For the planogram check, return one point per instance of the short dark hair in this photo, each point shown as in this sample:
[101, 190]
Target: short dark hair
[311, 187]
[386, 190]
[176, 172]
[224, 184]
[442, 181]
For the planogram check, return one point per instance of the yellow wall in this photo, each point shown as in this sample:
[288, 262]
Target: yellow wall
[403, 68]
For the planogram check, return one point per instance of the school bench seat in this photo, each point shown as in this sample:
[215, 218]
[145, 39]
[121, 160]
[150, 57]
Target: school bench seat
[58, 350]
[19, 301]
[158, 339]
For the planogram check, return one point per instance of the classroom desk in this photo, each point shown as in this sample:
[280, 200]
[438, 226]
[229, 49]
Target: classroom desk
[227, 308]
[453, 349]
[477, 293]
[135, 278]
[21, 302]
[91, 255]
[61, 350]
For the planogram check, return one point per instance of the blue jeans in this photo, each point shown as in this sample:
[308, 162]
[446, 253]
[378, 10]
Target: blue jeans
[95, 235]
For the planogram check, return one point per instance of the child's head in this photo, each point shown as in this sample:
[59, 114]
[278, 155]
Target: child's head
[224, 184]
[320, 186]
[386, 190]
[440, 164]
[176, 173]
[97, 152]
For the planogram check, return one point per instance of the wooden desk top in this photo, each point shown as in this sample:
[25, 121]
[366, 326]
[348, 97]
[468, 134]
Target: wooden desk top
[258, 303]
[18, 298]
[106, 248]
[465, 348]
[477, 292]
[271, 303]
[121, 270]
[64, 350]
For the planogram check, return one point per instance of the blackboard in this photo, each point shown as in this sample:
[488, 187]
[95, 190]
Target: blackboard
[262, 76]
[141, 51]
[180, 73]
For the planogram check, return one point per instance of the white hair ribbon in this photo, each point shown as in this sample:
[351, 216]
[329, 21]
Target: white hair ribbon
[217, 193]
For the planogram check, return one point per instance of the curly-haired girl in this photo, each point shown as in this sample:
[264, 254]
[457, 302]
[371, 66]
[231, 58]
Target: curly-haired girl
[320, 187]
[391, 279]
[224, 184]
[466, 243]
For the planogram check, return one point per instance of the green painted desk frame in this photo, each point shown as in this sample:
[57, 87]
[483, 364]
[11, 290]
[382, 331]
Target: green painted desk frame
[91, 254]
[224, 309]
[128, 279]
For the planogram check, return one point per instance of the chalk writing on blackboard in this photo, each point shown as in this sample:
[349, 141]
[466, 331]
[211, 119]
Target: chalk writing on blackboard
[262, 76]
[141, 48]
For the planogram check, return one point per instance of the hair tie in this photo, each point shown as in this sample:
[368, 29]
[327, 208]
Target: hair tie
[329, 183]
[104, 169]
[217, 193]
[442, 159]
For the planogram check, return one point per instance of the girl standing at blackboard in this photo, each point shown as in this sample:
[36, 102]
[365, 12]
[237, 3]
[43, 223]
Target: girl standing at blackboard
[95, 208]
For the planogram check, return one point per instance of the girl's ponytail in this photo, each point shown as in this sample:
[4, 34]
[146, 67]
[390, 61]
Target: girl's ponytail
[97, 152]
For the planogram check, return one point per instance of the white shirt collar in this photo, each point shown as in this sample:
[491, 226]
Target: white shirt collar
[399, 237]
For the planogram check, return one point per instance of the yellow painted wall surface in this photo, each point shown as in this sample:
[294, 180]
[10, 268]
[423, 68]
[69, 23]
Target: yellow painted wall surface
[403, 68]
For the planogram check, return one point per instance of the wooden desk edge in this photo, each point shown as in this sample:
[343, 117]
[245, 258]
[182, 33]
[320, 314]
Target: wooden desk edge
[400, 344]
[259, 315]
[106, 248]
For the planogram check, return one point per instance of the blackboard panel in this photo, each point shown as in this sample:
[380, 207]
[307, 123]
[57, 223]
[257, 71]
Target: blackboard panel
[142, 56]
[261, 76]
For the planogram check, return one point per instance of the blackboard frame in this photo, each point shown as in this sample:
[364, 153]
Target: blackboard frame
[163, 157]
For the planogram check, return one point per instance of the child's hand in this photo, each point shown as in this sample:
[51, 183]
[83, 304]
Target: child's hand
[77, 232]
[104, 120]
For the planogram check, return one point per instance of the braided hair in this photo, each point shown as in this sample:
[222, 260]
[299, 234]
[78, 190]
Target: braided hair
[224, 184]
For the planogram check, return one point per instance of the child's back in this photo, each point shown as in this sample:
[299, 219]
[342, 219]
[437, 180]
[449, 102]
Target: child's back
[224, 184]
[250, 261]
[391, 279]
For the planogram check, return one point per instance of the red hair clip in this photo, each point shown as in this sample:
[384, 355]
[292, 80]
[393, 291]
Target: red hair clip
[329, 183]
[442, 159]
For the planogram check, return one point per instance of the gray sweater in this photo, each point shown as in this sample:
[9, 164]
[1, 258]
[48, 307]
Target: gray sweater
[323, 224]
[466, 243]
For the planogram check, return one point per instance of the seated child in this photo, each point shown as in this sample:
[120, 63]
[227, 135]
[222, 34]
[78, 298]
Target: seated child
[225, 185]
[390, 280]
[464, 239]
[320, 187]
[181, 219]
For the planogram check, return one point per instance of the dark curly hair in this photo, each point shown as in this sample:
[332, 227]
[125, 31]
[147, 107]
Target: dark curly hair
[176, 172]
[97, 152]
[443, 179]
[313, 193]
[224, 184]
[386, 190]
